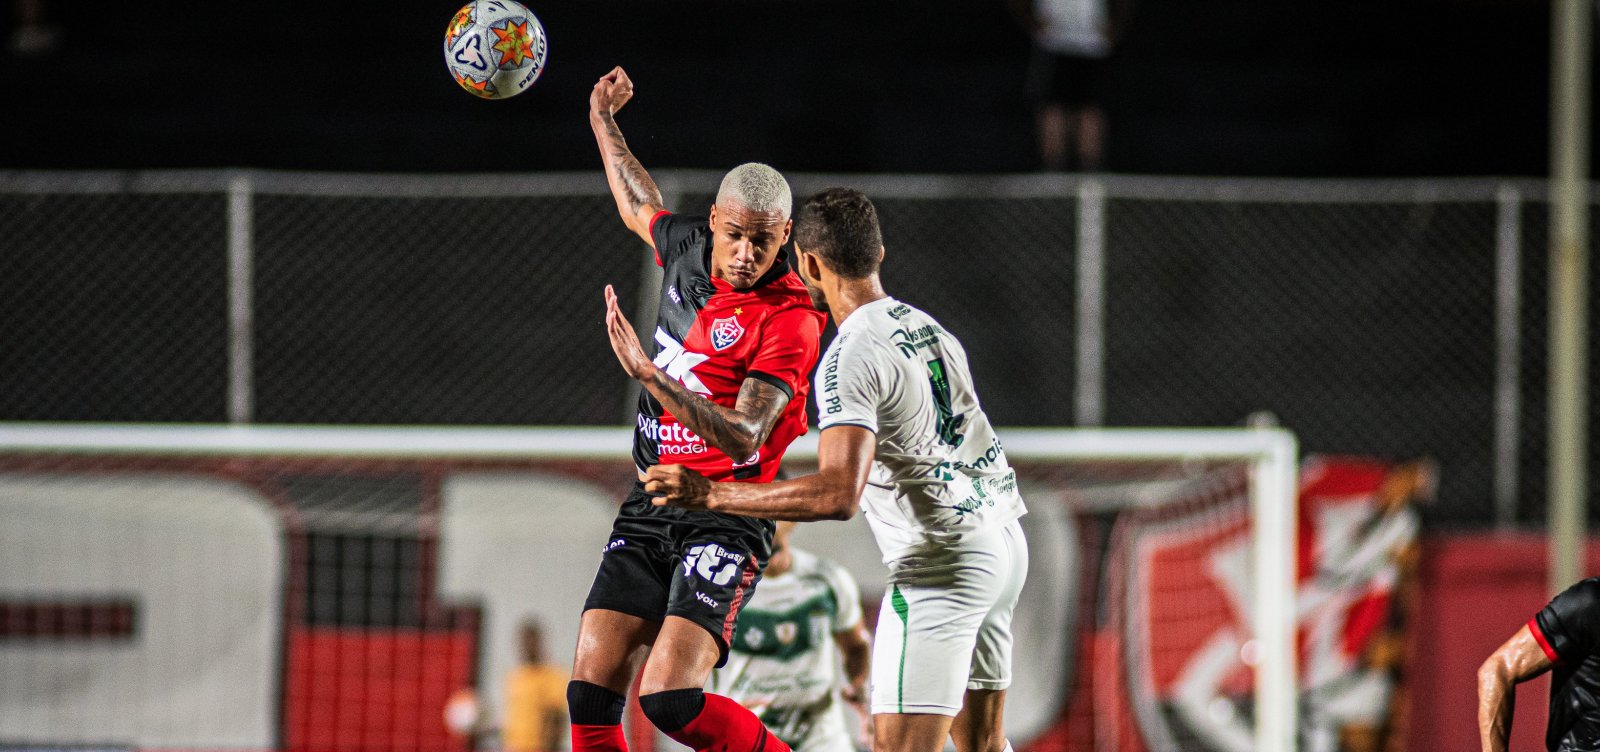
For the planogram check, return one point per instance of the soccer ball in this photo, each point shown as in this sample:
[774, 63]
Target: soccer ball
[494, 48]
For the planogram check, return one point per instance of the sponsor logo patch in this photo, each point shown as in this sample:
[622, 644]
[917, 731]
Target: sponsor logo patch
[712, 562]
[911, 340]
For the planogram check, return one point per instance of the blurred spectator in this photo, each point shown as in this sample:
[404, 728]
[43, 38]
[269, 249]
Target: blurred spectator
[801, 652]
[1071, 41]
[536, 698]
[32, 35]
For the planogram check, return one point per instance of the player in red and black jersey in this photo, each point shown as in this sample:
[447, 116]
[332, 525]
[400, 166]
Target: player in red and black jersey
[722, 341]
[734, 341]
[1565, 635]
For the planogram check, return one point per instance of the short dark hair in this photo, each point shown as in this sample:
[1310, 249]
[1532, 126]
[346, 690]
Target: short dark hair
[841, 226]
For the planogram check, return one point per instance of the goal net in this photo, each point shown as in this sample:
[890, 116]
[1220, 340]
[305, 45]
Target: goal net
[344, 589]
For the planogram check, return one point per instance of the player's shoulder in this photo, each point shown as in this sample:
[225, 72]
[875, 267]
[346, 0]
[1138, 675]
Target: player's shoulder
[883, 317]
[874, 330]
[680, 223]
[911, 318]
[854, 345]
[674, 234]
[897, 310]
[1583, 595]
[909, 330]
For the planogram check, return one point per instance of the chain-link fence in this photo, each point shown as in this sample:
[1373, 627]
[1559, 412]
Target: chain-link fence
[1395, 318]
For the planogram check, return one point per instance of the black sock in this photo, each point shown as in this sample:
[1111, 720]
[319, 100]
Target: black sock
[593, 705]
[673, 709]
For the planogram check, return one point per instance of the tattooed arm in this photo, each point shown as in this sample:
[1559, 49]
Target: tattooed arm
[833, 492]
[738, 432]
[638, 198]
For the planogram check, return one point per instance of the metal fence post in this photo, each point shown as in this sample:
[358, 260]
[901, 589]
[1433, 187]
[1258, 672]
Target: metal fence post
[1508, 350]
[241, 329]
[1091, 305]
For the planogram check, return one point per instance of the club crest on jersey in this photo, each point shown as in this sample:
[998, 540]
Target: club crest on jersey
[725, 332]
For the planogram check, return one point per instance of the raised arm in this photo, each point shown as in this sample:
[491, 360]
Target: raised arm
[638, 199]
[738, 432]
[1521, 658]
[844, 456]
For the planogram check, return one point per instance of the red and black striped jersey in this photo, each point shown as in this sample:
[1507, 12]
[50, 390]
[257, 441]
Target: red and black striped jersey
[710, 337]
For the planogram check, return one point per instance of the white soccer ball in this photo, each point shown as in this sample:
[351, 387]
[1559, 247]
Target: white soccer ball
[495, 48]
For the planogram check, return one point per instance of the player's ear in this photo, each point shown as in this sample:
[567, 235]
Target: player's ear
[788, 227]
[711, 218]
[813, 265]
[881, 253]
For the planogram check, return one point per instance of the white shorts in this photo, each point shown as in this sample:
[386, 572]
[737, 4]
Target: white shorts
[945, 623]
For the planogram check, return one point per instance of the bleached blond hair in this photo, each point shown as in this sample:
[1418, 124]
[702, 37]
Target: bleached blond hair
[756, 187]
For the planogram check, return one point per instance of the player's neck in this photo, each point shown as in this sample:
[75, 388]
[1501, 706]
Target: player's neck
[850, 294]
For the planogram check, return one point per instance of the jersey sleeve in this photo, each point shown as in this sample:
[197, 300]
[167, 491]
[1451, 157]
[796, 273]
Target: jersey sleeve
[790, 339]
[850, 386]
[847, 595]
[671, 234]
[1568, 628]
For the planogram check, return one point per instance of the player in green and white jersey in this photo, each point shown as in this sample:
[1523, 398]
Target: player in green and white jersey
[800, 651]
[905, 438]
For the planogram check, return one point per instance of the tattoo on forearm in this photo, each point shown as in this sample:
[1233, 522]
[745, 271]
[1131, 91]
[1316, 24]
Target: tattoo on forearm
[739, 432]
[635, 183]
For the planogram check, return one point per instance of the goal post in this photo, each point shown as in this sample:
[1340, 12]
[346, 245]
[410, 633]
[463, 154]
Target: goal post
[1273, 454]
[1268, 457]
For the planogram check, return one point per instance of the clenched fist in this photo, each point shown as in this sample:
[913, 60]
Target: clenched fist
[611, 92]
[677, 486]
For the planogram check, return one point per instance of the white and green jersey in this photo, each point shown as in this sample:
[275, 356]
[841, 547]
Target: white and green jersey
[783, 663]
[940, 472]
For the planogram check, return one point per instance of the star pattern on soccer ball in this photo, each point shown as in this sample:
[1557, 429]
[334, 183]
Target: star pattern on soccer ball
[480, 88]
[514, 44]
[459, 24]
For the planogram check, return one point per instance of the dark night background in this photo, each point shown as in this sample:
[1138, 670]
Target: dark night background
[1368, 327]
[1209, 87]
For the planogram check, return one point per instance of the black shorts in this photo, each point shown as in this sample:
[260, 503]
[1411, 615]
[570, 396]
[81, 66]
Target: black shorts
[1063, 79]
[701, 566]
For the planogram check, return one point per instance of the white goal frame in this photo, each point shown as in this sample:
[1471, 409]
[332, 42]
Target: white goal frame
[1271, 452]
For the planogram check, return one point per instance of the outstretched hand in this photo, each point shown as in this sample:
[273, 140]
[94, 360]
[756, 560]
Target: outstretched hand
[624, 342]
[677, 486]
[611, 92]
